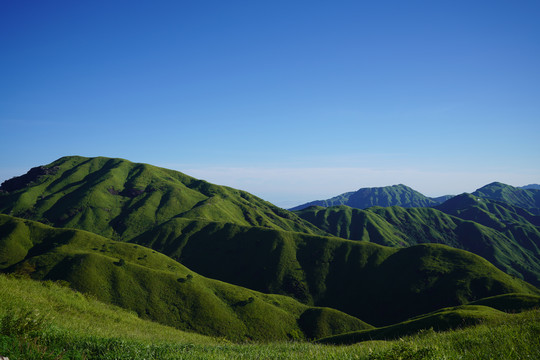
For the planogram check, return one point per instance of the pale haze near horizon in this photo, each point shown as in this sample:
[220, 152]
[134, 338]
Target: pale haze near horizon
[291, 101]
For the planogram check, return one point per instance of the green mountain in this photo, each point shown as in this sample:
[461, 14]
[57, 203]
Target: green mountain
[350, 276]
[511, 243]
[43, 320]
[119, 199]
[346, 275]
[232, 236]
[158, 288]
[395, 195]
[526, 198]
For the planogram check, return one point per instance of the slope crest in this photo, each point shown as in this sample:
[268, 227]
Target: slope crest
[119, 199]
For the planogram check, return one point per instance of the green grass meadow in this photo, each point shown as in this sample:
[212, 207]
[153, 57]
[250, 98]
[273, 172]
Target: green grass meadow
[102, 258]
[44, 320]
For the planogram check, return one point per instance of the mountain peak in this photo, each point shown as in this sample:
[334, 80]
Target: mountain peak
[394, 195]
[528, 199]
[118, 198]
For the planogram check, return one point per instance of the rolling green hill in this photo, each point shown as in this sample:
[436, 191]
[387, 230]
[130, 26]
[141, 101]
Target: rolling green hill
[510, 303]
[351, 276]
[44, 302]
[158, 288]
[521, 228]
[395, 195]
[485, 311]
[440, 320]
[504, 235]
[46, 321]
[526, 198]
[119, 199]
[232, 236]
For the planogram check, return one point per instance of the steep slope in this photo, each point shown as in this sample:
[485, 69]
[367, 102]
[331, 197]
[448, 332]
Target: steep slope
[511, 243]
[156, 287]
[235, 237]
[528, 199]
[354, 224]
[395, 195]
[119, 199]
[72, 312]
[350, 276]
[519, 226]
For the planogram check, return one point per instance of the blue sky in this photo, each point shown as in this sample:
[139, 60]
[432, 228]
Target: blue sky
[290, 100]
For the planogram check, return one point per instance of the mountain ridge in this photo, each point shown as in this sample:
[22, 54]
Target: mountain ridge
[119, 199]
[232, 236]
[507, 236]
[528, 199]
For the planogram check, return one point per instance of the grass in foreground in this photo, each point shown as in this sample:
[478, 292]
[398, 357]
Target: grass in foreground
[515, 339]
[47, 321]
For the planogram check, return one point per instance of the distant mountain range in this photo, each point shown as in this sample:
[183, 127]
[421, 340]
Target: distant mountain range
[395, 195]
[531, 186]
[527, 197]
[507, 236]
[153, 240]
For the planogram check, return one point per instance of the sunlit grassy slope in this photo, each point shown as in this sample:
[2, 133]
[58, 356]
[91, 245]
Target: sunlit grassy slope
[377, 284]
[60, 324]
[119, 199]
[73, 312]
[158, 288]
[232, 236]
[508, 237]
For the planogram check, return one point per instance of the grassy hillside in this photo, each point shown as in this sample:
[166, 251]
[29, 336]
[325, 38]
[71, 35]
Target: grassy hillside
[225, 234]
[45, 321]
[156, 287]
[515, 222]
[440, 320]
[119, 199]
[528, 199]
[521, 250]
[511, 303]
[502, 234]
[353, 224]
[487, 311]
[351, 276]
[395, 195]
[48, 302]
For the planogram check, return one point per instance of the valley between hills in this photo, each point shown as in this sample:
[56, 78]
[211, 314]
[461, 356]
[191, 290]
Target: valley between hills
[212, 267]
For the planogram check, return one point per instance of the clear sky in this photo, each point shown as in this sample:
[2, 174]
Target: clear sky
[290, 100]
